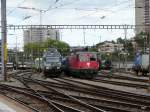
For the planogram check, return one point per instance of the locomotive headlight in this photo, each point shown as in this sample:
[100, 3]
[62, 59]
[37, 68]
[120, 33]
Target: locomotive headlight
[58, 67]
[59, 63]
[88, 64]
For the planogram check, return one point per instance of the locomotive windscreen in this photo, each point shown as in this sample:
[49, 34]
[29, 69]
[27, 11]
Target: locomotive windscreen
[52, 55]
[87, 57]
[52, 59]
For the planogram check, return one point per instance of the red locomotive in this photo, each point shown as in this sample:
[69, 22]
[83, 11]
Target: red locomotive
[82, 64]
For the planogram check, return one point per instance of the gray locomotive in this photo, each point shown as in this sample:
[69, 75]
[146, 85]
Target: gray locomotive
[52, 65]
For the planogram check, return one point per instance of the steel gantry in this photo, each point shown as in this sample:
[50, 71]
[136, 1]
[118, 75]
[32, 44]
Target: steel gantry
[24, 27]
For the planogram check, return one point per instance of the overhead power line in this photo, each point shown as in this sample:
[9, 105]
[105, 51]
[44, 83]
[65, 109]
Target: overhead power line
[61, 5]
[50, 6]
[18, 5]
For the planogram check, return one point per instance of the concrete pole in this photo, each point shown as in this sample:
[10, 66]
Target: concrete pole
[148, 36]
[41, 16]
[3, 76]
[84, 36]
[40, 39]
[17, 64]
[125, 32]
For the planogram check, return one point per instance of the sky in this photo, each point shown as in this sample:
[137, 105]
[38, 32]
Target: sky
[95, 12]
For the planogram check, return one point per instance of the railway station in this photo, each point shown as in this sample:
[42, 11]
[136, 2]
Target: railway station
[75, 56]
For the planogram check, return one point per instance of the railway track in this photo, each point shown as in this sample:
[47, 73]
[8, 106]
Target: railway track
[121, 80]
[123, 96]
[120, 83]
[67, 94]
[80, 105]
[117, 76]
[29, 100]
[111, 100]
[26, 97]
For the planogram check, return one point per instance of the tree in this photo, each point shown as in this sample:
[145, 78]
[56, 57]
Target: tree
[142, 40]
[37, 48]
[62, 47]
[113, 41]
[128, 46]
[92, 49]
[120, 40]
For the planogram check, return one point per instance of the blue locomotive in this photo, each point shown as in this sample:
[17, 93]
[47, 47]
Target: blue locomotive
[141, 63]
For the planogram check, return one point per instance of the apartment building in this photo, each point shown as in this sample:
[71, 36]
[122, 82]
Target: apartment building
[39, 35]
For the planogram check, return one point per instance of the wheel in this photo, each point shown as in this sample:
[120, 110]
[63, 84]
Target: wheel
[144, 73]
[67, 72]
[90, 76]
[46, 74]
[137, 72]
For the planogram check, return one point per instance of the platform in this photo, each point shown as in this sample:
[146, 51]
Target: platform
[8, 105]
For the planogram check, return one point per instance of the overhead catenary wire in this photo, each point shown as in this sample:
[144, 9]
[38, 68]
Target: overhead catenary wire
[19, 4]
[65, 4]
[43, 11]
[50, 6]
[111, 10]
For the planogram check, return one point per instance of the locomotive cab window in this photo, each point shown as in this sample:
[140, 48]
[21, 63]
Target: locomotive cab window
[92, 58]
[87, 57]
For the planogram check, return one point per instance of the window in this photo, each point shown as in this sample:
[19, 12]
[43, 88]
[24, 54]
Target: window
[87, 57]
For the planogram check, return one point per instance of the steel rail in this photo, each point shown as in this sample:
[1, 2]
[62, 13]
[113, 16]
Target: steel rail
[115, 76]
[108, 89]
[120, 95]
[129, 94]
[106, 106]
[69, 109]
[85, 91]
[20, 101]
[120, 92]
[116, 105]
[41, 97]
[45, 82]
[142, 86]
[60, 92]
[10, 89]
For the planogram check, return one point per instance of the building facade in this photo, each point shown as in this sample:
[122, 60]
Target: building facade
[142, 16]
[39, 35]
[109, 47]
